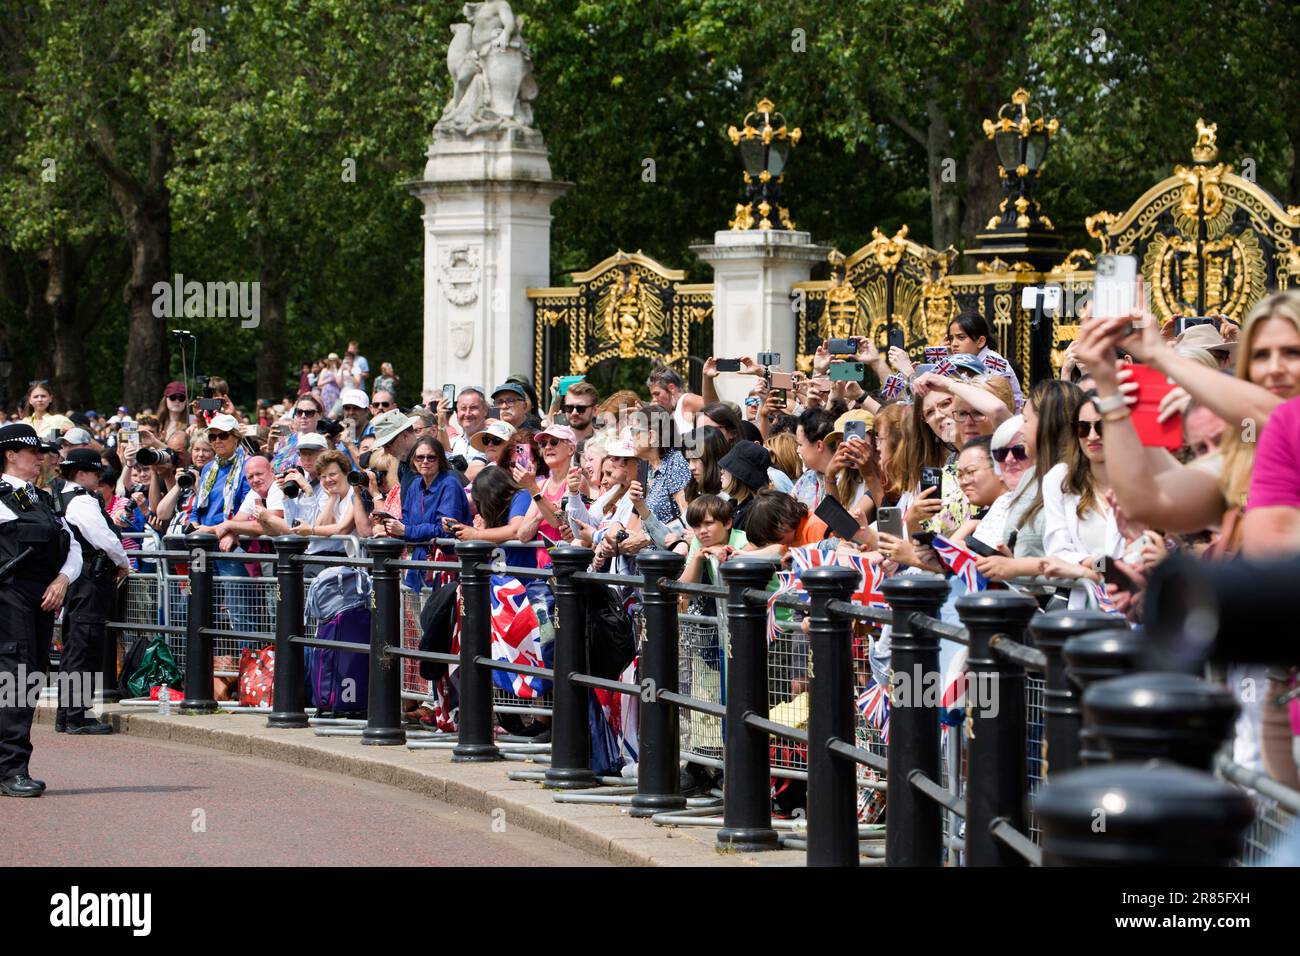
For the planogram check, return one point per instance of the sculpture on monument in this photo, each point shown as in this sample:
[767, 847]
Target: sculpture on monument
[492, 73]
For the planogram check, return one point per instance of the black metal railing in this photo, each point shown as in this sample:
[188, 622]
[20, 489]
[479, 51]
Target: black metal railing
[1100, 720]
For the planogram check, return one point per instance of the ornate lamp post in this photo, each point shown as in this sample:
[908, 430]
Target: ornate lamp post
[1022, 140]
[764, 144]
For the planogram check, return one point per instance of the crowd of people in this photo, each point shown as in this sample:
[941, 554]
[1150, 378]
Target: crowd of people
[1146, 444]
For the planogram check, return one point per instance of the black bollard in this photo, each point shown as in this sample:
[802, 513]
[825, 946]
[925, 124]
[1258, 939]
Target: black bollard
[997, 782]
[914, 824]
[1141, 815]
[1062, 712]
[570, 767]
[658, 783]
[289, 620]
[199, 615]
[384, 707]
[1168, 716]
[1100, 655]
[747, 807]
[475, 741]
[832, 780]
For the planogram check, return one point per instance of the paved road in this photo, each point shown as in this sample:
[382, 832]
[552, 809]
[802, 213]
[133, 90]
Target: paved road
[127, 801]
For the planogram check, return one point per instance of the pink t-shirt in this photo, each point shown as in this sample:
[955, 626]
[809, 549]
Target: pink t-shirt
[1275, 479]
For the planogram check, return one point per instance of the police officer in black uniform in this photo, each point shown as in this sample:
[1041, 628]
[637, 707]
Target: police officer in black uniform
[39, 560]
[91, 596]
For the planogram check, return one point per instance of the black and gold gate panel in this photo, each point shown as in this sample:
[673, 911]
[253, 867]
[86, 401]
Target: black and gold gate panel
[889, 281]
[629, 306]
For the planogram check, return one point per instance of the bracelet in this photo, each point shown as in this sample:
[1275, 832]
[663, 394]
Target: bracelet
[1111, 403]
[1117, 416]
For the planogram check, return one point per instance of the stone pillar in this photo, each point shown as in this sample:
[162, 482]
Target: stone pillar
[487, 240]
[753, 273]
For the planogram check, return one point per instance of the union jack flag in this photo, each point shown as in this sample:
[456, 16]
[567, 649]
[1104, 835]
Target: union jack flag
[1101, 598]
[893, 387]
[961, 561]
[873, 705]
[996, 364]
[786, 583]
[516, 636]
[945, 367]
[872, 577]
[934, 353]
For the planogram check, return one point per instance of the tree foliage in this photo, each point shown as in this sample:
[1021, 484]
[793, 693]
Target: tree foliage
[270, 140]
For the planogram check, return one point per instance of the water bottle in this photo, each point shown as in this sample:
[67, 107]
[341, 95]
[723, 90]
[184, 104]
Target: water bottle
[164, 701]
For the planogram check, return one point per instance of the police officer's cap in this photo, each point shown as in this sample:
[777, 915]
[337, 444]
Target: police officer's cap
[81, 459]
[17, 436]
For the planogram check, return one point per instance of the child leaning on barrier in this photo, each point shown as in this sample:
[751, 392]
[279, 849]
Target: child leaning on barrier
[710, 518]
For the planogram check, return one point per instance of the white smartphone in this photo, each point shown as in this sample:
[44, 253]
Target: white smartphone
[1115, 292]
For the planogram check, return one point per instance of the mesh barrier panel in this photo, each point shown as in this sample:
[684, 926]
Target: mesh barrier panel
[1034, 745]
[1272, 825]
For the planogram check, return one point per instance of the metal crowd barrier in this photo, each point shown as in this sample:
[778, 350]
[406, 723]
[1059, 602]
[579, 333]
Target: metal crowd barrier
[1100, 722]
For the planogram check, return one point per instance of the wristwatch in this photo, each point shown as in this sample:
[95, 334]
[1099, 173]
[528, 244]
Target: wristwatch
[538, 498]
[1111, 403]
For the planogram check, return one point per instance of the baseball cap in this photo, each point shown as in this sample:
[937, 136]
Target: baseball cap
[224, 423]
[496, 428]
[620, 447]
[857, 415]
[562, 432]
[968, 363]
[354, 397]
[174, 388]
[513, 387]
[76, 436]
[312, 440]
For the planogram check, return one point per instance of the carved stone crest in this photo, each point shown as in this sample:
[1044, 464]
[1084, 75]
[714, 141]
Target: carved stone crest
[459, 273]
[461, 335]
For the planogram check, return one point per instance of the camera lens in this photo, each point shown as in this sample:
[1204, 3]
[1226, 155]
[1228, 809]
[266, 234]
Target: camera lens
[146, 456]
[356, 478]
[291, 490]
[186, 480]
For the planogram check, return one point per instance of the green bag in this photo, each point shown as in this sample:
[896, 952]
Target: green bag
[157, 666]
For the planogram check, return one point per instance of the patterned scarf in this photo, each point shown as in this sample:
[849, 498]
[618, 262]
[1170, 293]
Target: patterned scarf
[233, 477]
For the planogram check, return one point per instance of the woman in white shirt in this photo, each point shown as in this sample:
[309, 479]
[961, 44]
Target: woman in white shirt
[1079, 526]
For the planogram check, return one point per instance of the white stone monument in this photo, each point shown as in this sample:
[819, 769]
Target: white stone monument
[753, 274]
[487, 192]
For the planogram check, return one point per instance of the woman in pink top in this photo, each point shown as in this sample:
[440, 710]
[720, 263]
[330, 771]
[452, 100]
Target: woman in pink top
[557, 444]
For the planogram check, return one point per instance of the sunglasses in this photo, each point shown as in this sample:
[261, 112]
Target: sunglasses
[219, 436]
[419, 458]
[175, 398]
[1084, 429]
[305, 412]
[492, 442]
[507, 402]
[547, 442]
[1018, 452]
[575, 409]
[381, 404]
[37, 382]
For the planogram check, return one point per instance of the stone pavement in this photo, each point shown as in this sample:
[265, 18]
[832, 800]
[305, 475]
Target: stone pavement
[605, 832]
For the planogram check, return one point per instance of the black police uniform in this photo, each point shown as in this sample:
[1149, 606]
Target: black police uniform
[87, 610]
[26, 631]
